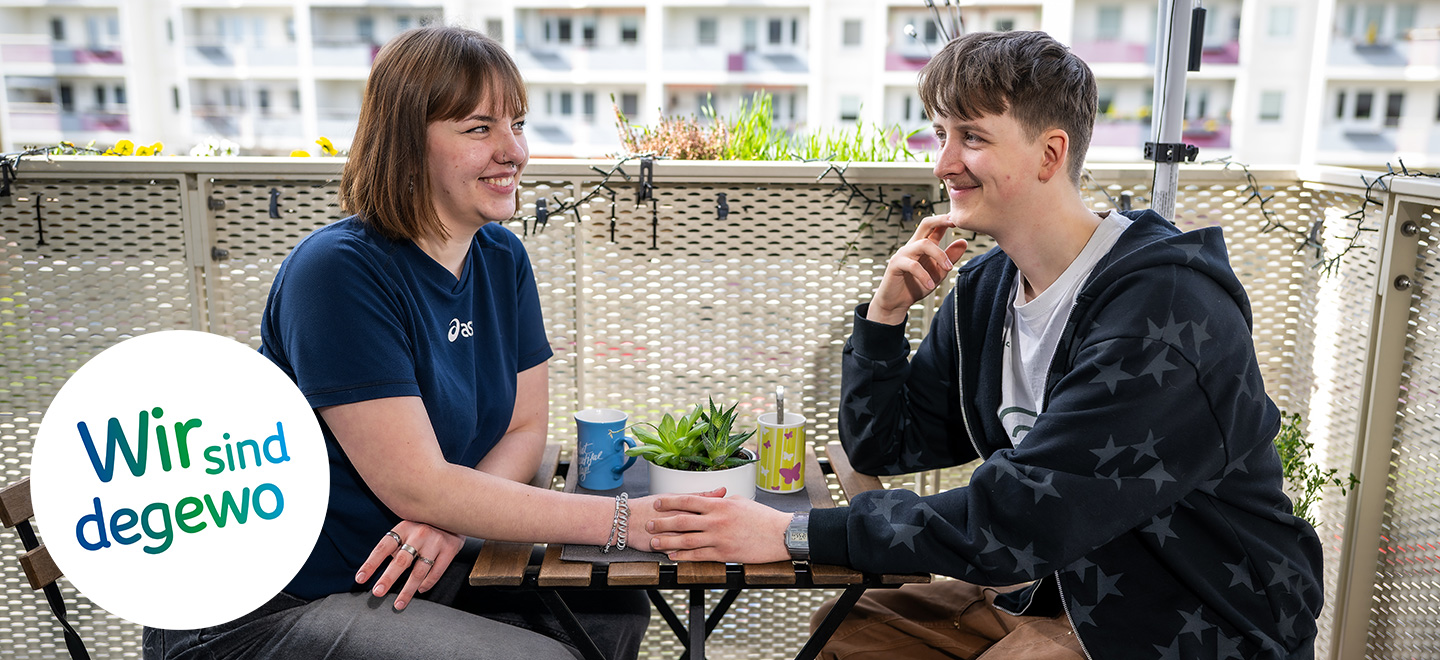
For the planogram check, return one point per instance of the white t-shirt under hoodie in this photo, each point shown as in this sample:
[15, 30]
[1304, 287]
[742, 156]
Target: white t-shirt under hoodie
[1032, 330]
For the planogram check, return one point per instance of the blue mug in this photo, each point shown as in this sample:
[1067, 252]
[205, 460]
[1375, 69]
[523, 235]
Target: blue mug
[600, 449]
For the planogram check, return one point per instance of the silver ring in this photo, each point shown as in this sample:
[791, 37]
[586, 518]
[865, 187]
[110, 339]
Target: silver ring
[406, 547]
[426, 560]
[395, 536]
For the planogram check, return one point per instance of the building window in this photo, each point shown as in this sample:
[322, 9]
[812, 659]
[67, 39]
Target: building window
[1404, 21]
[295, 100]
[120, 95]
[587, 104]
[629, 30]
[567, 104]
[549, 103]
[1272, 104]
[290, 30]
[702, 99]
[57, 29]
[792, 107]
[1364, 102]
[587, 32]
[1394, 102]
[1340, 104]
[169, 31]
[849, 108]
[932, 31]
[850, 32]
[564, 28]
[175, 97]
[1282, 22]
[1107, 23]
[365, 29]
[909, 107]
[1370, 25]
[1105, 101]
[776, 31]
[99, 97]
[262, 100]
[494, 28]
[1004, 25]
[67, 98]
[751, 35]
[794, 30]
[630, 104]
[707, 32]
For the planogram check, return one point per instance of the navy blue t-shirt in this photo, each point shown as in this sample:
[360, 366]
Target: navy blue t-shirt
[354, 316]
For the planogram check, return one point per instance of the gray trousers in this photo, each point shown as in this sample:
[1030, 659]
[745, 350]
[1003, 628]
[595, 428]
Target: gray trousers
[452, 621]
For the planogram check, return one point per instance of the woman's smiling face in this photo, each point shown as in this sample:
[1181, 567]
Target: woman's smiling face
[474, 164]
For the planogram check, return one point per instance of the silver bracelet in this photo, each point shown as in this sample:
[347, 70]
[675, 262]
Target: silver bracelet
[619, 525]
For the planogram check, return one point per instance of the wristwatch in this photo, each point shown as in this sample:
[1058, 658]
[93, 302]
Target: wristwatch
[797, 536]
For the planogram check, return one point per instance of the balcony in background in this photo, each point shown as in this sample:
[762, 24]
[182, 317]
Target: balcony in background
[629, 58]
[215, 52]
[344, 52]
[715, 60]
[39, 49]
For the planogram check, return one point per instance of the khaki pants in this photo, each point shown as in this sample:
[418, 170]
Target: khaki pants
[945, 620]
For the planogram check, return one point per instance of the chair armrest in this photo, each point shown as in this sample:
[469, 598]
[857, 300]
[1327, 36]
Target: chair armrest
[852, 482]
[15, 503]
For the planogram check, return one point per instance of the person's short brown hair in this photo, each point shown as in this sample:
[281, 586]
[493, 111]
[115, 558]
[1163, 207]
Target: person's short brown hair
[1028, 74]
[421, 76]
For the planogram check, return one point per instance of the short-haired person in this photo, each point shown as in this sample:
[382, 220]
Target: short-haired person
[1102, 368]
[414, 329]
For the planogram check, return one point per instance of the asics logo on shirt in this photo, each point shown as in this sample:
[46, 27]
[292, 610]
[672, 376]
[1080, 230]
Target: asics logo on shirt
[458, 329]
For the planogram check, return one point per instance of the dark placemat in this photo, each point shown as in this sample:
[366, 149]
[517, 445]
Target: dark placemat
[637, 484]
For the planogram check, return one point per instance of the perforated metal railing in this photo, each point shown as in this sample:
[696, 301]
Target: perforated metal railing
[675, 304]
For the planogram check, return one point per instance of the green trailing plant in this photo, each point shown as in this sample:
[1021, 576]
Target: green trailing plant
[1305, 479]
[700, 440]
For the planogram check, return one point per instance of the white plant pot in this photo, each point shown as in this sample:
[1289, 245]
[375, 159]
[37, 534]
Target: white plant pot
[739, 482]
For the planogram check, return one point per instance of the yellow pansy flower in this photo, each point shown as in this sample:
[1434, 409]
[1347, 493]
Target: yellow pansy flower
[124, 148]
[327, 147]
[299, 153]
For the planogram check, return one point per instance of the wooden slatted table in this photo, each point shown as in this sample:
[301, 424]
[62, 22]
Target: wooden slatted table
[508, 565]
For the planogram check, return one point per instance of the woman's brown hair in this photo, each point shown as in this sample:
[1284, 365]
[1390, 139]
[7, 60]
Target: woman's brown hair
[421, 76]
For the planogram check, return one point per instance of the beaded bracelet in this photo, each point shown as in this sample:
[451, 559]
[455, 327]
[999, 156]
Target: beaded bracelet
[619, 525]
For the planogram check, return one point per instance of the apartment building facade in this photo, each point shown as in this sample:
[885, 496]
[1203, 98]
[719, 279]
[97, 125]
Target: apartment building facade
[1353, 82]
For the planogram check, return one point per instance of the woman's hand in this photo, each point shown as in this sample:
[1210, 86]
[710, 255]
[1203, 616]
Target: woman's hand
[434, 550]
[706, 527]
[915, 270]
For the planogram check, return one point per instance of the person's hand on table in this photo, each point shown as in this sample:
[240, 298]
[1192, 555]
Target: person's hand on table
[915, 270]
[707, 527]
[434, 549]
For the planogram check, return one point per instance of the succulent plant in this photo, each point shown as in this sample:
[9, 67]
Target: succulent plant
[700, 440]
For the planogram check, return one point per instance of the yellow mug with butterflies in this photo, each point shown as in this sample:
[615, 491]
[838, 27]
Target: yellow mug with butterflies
[781, 468]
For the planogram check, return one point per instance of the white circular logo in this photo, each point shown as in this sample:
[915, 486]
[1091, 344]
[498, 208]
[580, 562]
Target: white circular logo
[180, 479]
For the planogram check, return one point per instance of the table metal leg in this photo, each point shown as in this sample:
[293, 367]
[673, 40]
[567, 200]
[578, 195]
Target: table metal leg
[578, 636]
[676, 625]
[720, 610]
[832, 621]
[697, 624]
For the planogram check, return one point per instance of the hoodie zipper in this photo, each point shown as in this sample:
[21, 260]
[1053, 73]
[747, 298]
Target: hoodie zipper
[960, 373]
[965, 419]
[1065, 602]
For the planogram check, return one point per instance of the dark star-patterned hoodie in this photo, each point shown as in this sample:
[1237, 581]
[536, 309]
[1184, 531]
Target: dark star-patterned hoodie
[1148, 491]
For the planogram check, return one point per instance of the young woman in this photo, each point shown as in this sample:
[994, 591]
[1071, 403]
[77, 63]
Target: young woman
[413, 328]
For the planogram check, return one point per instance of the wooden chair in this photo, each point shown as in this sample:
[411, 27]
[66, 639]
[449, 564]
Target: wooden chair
[40, 568]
